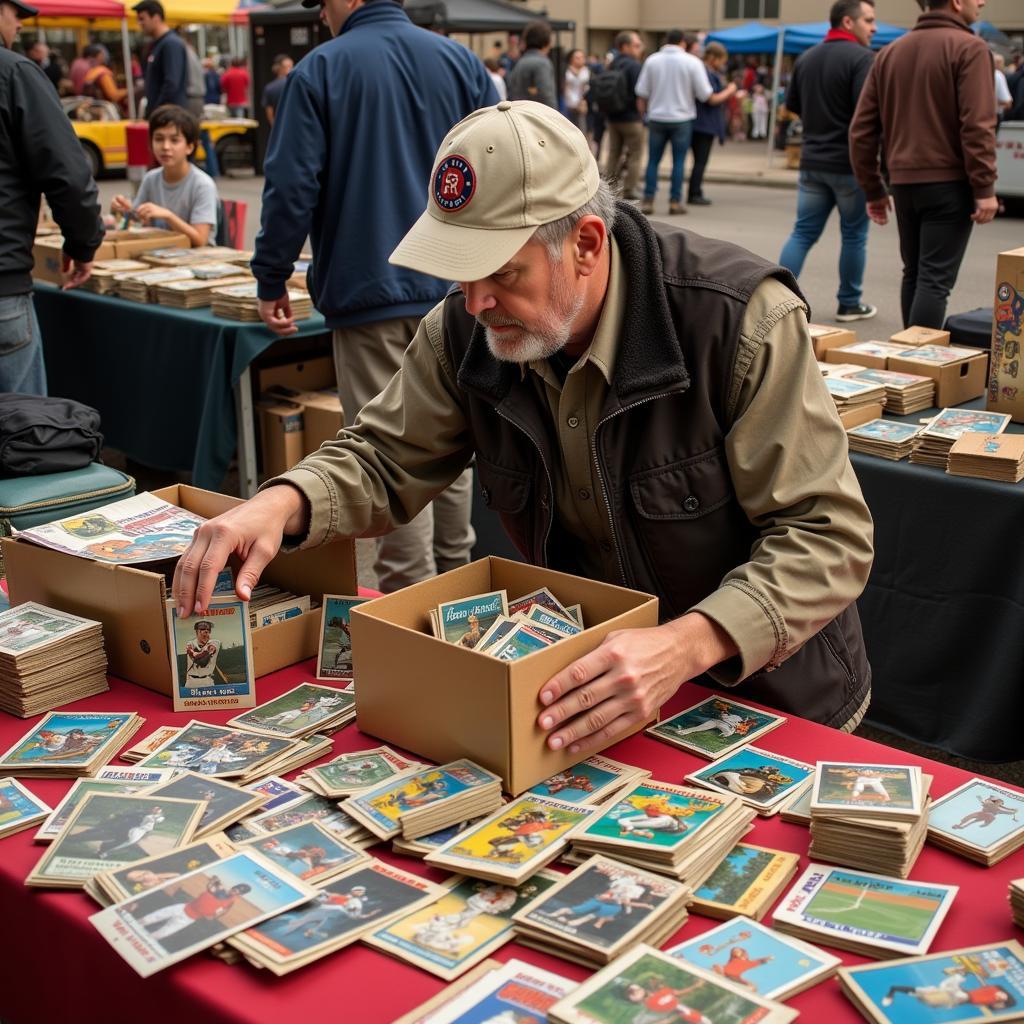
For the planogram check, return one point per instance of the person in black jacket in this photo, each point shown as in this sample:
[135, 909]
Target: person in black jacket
[167, 60]
[39, 153]
[823, 92]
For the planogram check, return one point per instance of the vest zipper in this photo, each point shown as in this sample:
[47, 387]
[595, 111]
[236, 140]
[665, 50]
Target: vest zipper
[547, 473]
[600, 477]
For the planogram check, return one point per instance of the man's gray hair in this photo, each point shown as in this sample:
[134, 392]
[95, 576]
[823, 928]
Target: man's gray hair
[601, 204]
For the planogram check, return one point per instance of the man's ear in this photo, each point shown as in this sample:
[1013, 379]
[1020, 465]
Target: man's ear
[591, 236]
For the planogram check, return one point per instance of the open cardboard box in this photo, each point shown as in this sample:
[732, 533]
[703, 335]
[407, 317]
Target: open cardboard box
[916, 337]
[955, 382]
[129, 600]
[825, 337]
[48, 250]
[443, 701]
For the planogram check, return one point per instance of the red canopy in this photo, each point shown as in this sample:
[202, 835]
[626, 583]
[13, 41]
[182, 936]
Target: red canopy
[79, 8]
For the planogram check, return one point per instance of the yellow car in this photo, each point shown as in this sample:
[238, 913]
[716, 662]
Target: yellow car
[100, 128]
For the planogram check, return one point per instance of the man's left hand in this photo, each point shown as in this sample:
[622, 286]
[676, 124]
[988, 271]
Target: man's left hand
[75, 273]
[620, 684]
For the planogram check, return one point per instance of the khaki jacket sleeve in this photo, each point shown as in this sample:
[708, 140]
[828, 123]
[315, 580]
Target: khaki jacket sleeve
[405, 447]
[789, 461]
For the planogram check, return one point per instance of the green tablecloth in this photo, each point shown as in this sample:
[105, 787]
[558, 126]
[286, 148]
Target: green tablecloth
[162, 379]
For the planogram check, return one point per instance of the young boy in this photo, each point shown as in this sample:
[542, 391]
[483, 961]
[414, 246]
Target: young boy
[177, 195]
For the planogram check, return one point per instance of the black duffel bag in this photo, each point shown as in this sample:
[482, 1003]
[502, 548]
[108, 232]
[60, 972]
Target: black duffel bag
[46, 435]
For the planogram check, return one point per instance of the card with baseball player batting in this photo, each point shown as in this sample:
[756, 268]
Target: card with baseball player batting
[715, 727]
[868, 790]
[302, 710]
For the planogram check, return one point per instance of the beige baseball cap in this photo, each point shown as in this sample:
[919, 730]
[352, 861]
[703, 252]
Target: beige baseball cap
[499, 174]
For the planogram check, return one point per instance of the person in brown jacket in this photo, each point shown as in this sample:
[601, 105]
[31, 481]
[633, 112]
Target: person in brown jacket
[929, 104]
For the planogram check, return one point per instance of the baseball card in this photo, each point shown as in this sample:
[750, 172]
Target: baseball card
[211, 657]
[746, 883]
[518, 643]
[226, 803]
[301, 710]
[465, 621]
[308, 851]
[592, 781]
[80, 788]
[715, 727]
[308, 808]
[157, 738]
[951, 423]
[761, 779]
[358, 770]
[30, 625]
[276, 792]
[542, 597]
[68, 739]
[500, 629]
[979, 814]
[197, 910]
[216, 750]
[334, 652]
[551, 621]
[19, 807]
[889, 790]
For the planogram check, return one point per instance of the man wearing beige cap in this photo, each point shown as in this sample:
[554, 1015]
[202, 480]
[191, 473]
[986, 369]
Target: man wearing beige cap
[644, 408]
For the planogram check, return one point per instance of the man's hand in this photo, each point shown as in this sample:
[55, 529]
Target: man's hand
[75, 273]
[253, 531]
[620, 684]
[277, 315]
[878, 210]
[985, 210]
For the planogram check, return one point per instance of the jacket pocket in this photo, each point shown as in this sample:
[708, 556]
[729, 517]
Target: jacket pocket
[15, 323]
[507, 492]
[688, 489]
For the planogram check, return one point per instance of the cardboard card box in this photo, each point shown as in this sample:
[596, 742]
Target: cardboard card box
[313, 374]
[443, 701]
[282, 435]
[129, 600]
[874, 355]
[48, 250]
[1005, 390]
[321, 410]
[824, 337]
[955, 382]
[918, 336]
[861, 414]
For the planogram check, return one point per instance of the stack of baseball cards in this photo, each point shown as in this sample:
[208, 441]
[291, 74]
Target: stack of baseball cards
[601, 910]
[674, 830]
[226, 803]
[433, 842]
[70, 744]
[48, 658]
[868, 914]
[905, 393]
[939, 435]
[976, 985]
[715, 727]
[302, 711]
[355, 771]
[240, 302]
[19, 808]
[987, 457]
[469, 922]
[746, 883]
[980, 820]
[341, 912]
[593, 781]
[309, 851]
[310, 807]
[138, 285]
[761, 779]
[888, 439]
[870, 816]
[269, 604]
[763, 961]
[424, 800]
[646, 985]
[1017, 901]
[101, 280]
[514, 842]
[853, 394]
[149, 743]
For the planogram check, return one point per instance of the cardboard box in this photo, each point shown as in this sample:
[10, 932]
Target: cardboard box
[1005, 392]
[282, 435]
[955, 382]
[313, 374]
[48, 250]
[862, 414]
[443, 702]
[824, 337]
[874, 355]
[321, 410]
[918, 336]
[129, 601]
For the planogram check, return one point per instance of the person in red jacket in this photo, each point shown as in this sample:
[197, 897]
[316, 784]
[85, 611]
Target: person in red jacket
[234, 83]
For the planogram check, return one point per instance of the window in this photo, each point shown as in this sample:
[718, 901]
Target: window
[751, 9]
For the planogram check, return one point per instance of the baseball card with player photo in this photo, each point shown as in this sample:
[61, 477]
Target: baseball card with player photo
[593, 781]
[980, 819]
[197, 910]
[306, 708]
[468, 923]
[311, 807]
[340, 913]
[541, 597]
[157, 738]
[69, 740]
[276, 792]
[211, 657]
[761, 960]
[715, 727]
[465, 621]
[309, 852]
[226, 803]
[975, 985]
[216, 750]
[19, 808]
[645, 984]
[334, 653]
[761, 779]
[358, 770]
[110, 830]
[889, 790]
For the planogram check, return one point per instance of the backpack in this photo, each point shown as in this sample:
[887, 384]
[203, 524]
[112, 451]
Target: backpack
[610, 92]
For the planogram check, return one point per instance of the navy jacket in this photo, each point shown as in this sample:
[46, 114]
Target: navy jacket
[350, 159]
[166, 73]
[711, 119]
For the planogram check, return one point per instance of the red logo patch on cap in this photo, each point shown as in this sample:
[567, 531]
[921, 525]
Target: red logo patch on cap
[454, 183]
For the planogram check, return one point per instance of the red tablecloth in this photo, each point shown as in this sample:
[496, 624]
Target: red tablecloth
[56, 968]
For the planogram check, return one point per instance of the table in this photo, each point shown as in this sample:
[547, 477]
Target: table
[172, 386]
[59, 969]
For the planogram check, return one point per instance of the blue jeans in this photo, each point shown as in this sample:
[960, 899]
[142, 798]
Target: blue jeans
[21, 347]
[819, 192]
[659, 135]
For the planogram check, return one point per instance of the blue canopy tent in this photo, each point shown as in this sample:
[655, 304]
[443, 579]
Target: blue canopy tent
[756, 37]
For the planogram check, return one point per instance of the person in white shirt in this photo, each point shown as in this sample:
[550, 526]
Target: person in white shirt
[577, 80]
[497, 74]
[1004, 99]
[670, 84]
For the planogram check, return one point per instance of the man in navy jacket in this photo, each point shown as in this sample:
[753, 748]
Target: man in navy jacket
[354, 139]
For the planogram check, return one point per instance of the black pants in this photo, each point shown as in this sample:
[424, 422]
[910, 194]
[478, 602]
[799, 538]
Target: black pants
[935, 225]
[701, 145]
